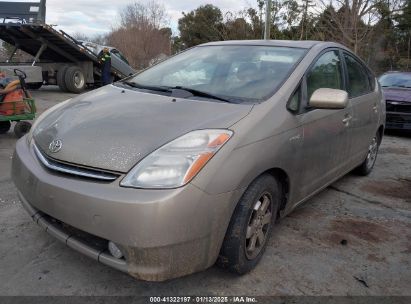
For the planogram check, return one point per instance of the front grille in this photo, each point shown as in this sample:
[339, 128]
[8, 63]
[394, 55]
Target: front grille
[91, 240]
[54, 165]
[398, 118]
[88, 244]
[395, 106]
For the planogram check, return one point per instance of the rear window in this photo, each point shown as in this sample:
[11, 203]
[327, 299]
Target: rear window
[400, 80]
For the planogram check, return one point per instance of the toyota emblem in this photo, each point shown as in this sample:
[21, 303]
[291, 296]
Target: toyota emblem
[55, 145]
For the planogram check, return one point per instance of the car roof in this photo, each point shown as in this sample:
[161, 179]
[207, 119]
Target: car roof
[306, 44]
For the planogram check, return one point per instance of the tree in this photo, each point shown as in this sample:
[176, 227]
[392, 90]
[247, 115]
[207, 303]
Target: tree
[350, 21]
[404, 30]
[305, 16]
[143, 34]
[6, 50]
[201, 25]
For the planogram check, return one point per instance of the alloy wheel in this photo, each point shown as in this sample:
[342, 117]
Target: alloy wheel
[258, 226]
[78, 79]
[372, 153]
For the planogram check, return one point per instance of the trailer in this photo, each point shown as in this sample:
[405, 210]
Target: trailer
[58, 58]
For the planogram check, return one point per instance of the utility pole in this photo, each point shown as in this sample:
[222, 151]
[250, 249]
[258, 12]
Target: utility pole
[267, 19]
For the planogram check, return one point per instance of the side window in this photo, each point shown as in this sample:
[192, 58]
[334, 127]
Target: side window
[372, 79]
[358, 81]
[294, 101]
[119, 55]
[326, 73]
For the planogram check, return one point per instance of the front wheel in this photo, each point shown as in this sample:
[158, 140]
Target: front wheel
[368, 164]
[250, 226]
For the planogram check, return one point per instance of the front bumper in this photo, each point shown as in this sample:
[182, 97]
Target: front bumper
[398, 120]
[163, 233]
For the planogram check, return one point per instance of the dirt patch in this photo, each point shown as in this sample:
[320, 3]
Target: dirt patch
[375, 258]
[340, 239]
[408, 246]
[360, 229]
[394, 150]
[398, 189]
[305, 212]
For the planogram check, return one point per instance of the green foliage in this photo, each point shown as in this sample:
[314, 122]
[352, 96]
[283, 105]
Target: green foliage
[204, 24]
[404, 18]
[377, 30]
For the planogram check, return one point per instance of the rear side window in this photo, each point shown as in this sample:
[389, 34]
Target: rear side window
[326, 73]
[358, 80]
[119, 55]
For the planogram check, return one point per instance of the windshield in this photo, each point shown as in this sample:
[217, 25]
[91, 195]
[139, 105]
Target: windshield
[233, 72]
[401, 80]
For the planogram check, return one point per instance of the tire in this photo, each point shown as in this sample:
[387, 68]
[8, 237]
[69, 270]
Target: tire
[75, 80]
[247, 224]
[368, 164]
[60, 78]
[22, 128]
[4, 126]
[34, 85]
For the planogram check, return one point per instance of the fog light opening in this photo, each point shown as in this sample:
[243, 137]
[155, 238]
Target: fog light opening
[114, 250]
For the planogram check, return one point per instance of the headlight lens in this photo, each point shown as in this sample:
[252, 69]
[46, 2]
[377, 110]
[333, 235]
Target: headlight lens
[176, 163]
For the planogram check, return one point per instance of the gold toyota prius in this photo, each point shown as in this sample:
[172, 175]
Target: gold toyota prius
[192, 161]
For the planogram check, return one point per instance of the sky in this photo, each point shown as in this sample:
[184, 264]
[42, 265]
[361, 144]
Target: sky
[93, 17]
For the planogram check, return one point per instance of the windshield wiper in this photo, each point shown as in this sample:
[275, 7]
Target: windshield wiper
[200, 93]
[169, 89]
[146, 87]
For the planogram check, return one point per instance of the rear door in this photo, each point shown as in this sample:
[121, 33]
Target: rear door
[365, 105]
[326, 142]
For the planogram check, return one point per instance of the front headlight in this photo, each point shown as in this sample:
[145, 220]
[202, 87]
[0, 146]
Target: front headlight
[176, 163]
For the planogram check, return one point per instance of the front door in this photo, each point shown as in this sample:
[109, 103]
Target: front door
[325, 150]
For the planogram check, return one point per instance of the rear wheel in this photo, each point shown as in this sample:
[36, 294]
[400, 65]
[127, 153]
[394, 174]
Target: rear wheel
[60, 78]
[22, 128]
[366, 167]
[75, 80]
[250, 226]
[4, 126]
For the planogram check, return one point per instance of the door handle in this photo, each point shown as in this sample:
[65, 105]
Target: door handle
[375, 108]
[347, 119]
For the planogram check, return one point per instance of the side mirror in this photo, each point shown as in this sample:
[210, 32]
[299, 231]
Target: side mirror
[329, 99]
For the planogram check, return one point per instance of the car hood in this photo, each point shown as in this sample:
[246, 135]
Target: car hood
[397, 94]
[113, 128]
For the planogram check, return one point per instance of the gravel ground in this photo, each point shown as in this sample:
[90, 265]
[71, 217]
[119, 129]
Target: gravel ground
[354, 238]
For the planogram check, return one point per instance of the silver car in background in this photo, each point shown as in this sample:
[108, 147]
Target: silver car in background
[193, 160]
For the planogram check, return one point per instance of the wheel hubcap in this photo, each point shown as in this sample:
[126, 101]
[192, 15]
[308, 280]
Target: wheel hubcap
[258, 226]
[372, 153]
[78, 80]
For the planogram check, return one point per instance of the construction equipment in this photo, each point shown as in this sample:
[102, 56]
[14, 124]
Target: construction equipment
[58, 58]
